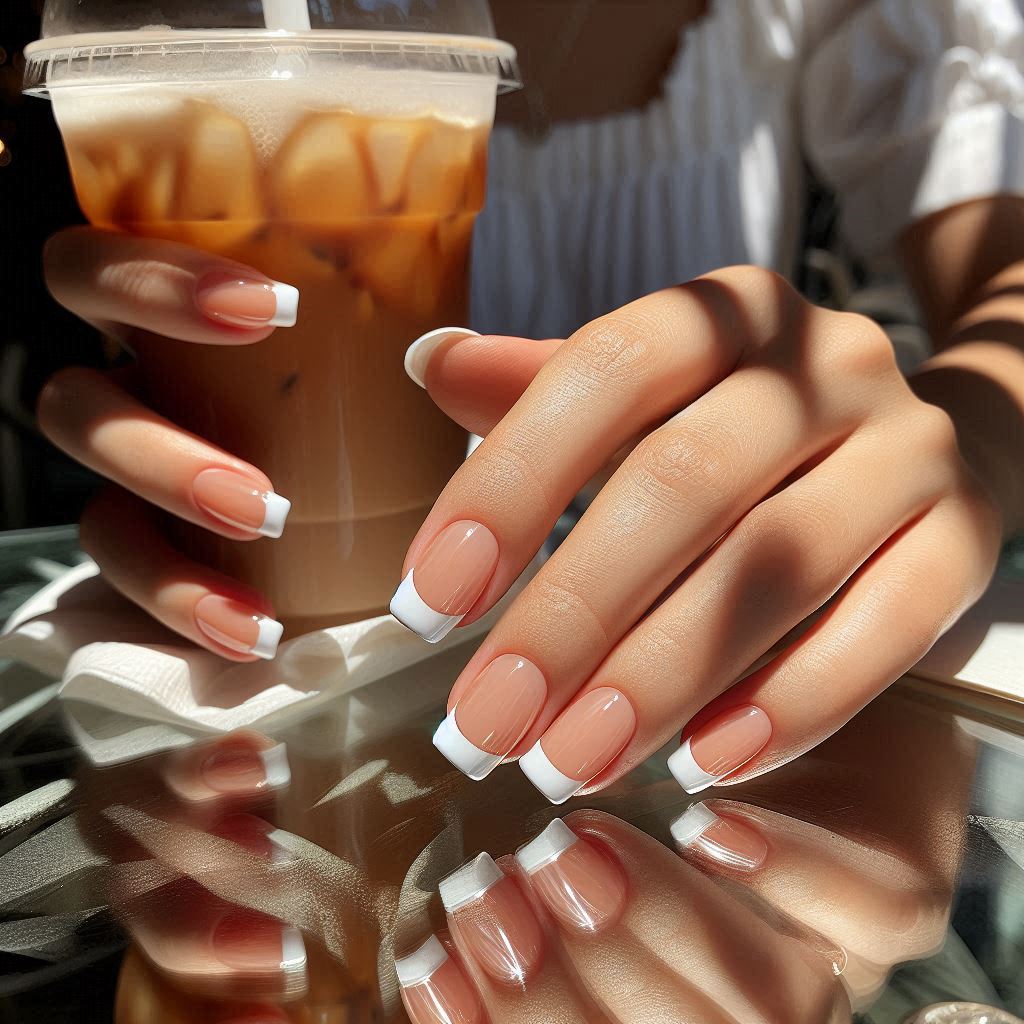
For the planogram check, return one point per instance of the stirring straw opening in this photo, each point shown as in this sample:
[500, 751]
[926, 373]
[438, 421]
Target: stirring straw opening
[289, 15]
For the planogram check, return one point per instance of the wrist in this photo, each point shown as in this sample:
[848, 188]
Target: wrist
[980, 385]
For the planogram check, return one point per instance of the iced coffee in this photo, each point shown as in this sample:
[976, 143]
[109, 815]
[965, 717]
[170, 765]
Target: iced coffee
[370, 216]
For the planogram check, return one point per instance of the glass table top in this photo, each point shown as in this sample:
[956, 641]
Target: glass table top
[264, 878]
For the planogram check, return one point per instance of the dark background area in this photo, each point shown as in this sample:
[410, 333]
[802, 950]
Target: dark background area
[38, 485]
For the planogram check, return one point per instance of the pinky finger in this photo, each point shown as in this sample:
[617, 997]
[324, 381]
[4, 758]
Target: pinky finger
[883, 622]
[121, 534]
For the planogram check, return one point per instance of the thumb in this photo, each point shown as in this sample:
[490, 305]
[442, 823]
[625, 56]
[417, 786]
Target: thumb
[476, 379]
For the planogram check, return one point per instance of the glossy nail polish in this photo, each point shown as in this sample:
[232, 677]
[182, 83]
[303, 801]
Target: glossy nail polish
[494, 921]
[698, 830]
[582, 743]
[418, 354]
[236, 769]
[581, 886]
[238, 627]
[721, 746]
[434, 989]
[492, 716]
[247, 302]
[236, 500]
[253, 943]
[447, 580]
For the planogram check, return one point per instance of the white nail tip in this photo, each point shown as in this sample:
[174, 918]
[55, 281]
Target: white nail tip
[546, 777]
[275, 765]
[417, 967]
[466, 756]
[293, 951]
[287, 313]
[268, 638]
[692, 824]
[275, 514]
[547, 847]
[414, 613]
[469, 883]
[418, 354]
[688, 773]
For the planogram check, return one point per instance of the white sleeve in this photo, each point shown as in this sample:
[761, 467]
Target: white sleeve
[913, 106]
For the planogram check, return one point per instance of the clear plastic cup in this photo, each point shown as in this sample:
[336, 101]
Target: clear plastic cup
[339, 146]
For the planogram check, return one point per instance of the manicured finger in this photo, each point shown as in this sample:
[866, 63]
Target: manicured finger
[435, 988]
[164, 287]
[204, 606]
[889, 615]
[244, 766]
[105, 428]
[615, 377]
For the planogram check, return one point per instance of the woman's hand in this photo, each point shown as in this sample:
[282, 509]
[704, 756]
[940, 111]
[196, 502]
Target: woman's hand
[785, 470]
[130, 287]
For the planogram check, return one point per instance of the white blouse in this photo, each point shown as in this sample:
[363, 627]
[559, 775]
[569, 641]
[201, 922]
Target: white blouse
[906, 107]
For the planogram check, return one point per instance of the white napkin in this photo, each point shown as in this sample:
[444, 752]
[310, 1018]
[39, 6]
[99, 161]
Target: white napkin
[133, 687]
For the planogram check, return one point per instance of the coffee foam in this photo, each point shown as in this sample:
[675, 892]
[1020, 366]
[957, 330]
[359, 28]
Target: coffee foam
[271, 109]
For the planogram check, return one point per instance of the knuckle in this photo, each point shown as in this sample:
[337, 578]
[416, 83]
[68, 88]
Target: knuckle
[860, 346]
[553, 600]
[613, 346]
[935, 431]
[509, 475]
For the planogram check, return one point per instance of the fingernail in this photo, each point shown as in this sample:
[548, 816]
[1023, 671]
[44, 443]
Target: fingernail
[246, 302]
[494, 921]
[254, 835]
[235, 769]
[434, 990]
[446, 580]
[581, 743]
[251, 942]
[699, 830]
[238, 627]
[492, 716]
[720, 747]
[418, 354]
[234, 499]
[582, 887]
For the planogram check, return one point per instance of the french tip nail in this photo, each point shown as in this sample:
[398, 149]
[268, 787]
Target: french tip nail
[688, 773]
[268, 639]
[473, 762]
[419, 965]
[469, 883]
[547, 847]
[275, 515]
[287, 313]
[414, 613]
[275, 766]
[692, 824]
[552, 784]
[418, 354]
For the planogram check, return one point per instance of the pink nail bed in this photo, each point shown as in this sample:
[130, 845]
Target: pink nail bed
[239, 501]
[239, 301]
[721, 746]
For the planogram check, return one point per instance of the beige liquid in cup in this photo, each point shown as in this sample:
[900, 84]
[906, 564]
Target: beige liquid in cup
[371, 219]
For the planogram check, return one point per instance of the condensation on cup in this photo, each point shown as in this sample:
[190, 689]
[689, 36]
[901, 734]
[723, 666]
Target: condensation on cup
[337, 146]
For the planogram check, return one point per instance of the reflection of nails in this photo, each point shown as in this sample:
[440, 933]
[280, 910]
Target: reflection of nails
[419, 352]
[236, 500]
[581, 887]
[494, 920]
[434, 990]
[583, 741]
[238, 627]
[720, 747]
[254, 835]
[245, 302]
[247, 941]
[699, 830]
[243, 770]
[492, 716]
[446, 580]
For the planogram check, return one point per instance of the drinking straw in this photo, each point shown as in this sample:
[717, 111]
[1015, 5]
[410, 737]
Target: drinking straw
[290, 15]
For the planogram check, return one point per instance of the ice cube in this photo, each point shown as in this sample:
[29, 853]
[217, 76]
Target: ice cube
[390, 145]
[439, 168]
[400, 266]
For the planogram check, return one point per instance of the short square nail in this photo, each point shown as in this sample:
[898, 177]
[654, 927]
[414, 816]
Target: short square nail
[434, 989]
[237, 769]
[247, 302]
[417, 356]
[699, 830]
[238, 627]
[239, 501]
[492, 716]
[446, 580]
[252, 942]
[583, 741]
[720, 747]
